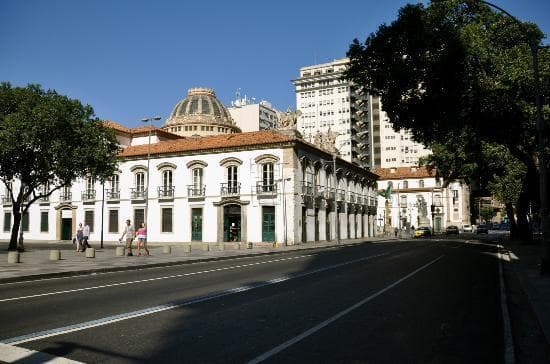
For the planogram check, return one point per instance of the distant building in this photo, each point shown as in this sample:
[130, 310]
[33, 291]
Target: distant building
[251, 116]
[418, 198]
[365, 134]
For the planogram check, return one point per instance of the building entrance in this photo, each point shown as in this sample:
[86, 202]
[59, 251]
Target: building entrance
[232, 223]
[66, 228]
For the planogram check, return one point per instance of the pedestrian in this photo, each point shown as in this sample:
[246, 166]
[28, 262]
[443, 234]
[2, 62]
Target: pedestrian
[129, 232]
[85, 236]
[233, 232]
[78, 238]
[395, 230]
[142, 239]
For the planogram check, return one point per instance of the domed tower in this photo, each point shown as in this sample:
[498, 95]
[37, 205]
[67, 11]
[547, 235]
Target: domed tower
[200, 114]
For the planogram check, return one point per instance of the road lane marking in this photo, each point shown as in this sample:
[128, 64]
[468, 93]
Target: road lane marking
[170, 306]
[340, 314]
[509, 355]
[152, 279]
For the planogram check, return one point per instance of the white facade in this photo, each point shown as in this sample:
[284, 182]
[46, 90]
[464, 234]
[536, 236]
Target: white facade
[250, 116]
[413, 193]
[276, 188]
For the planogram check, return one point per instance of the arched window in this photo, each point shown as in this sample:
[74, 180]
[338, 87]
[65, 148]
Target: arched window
[139, 184]
[232, 179]
[167, 189]
[268, 178]
[197, 187]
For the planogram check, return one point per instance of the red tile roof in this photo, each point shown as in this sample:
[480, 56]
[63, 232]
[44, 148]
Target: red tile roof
[404, 172]
[209, 143]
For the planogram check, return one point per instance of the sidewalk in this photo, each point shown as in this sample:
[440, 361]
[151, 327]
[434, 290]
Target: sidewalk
[525, 264]
[35, 262]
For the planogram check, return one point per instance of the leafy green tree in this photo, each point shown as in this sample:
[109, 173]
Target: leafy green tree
[458, 76]
[48, 140]
[487, 213]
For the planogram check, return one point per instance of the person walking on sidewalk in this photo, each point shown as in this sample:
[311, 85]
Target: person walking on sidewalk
[129, 232]
[142, 239]
[79, 237]
[85, 236]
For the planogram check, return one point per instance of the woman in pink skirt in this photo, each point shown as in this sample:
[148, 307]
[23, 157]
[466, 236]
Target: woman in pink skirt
[142, 239]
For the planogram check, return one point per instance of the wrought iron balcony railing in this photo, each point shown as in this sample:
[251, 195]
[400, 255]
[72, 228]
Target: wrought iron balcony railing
[138, 193]
[166, 191]
[196, 191]
[230, 189]
[263, 188]
[88, 195]
[112, 194]
[307, 188]
[66, 196]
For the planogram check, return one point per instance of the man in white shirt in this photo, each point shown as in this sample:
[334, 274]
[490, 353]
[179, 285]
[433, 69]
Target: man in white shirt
[130, 233]
[85, 236]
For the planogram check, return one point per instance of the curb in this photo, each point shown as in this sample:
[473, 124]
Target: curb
[36, 277]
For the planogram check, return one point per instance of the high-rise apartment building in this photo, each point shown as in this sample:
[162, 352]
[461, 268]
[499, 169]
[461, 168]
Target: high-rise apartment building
[251, 116]
[364, 133]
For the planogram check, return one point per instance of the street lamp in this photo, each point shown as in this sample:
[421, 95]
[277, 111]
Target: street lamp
[150, 121]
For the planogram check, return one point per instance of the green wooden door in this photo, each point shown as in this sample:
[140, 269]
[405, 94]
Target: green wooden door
[196, 224]
[66, 229]
[327, 226]
[437, 224]
[268, 223]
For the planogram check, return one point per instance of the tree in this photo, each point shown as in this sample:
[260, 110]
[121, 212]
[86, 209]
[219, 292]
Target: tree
[487, 213]
[458, 76]
[48, 140]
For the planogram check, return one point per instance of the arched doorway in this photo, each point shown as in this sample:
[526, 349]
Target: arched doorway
[232, 222]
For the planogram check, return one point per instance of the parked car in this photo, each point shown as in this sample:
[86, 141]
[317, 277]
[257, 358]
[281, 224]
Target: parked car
[482, 229]
[451, 229]
[423, 231]
[467, 228]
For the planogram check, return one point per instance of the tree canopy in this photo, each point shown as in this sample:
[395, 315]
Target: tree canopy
[458, 75]
[48, 140]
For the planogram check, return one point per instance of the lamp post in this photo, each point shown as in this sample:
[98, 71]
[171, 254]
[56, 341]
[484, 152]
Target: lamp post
[150, 121]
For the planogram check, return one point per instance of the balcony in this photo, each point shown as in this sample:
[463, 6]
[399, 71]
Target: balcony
[307, 189]
[351, 197]
[66, 197]
[266, 189]
[319, 191]
[166, 192]
[6, 200]
[113, 194]
[138, 193]
[196, 191]
[230, 189]
[329, 194]
[88, 195]
[341, 195]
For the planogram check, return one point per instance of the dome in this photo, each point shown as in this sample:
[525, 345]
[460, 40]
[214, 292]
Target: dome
[200, 113]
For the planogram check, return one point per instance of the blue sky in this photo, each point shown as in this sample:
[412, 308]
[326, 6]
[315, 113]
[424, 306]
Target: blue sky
[130, 59]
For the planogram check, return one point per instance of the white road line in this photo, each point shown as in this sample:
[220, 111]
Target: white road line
[509, 355]
[318, 327]
[151, 279]
[170, 306]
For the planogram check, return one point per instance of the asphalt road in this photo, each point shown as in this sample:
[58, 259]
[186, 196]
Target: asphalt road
[421, 301]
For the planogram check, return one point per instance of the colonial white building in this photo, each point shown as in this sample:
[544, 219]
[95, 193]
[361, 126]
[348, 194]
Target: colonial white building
[419, 198]
[272, 186]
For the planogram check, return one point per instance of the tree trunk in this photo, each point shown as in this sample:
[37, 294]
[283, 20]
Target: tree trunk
[522, 211]
[512, 220]
[15, 228]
